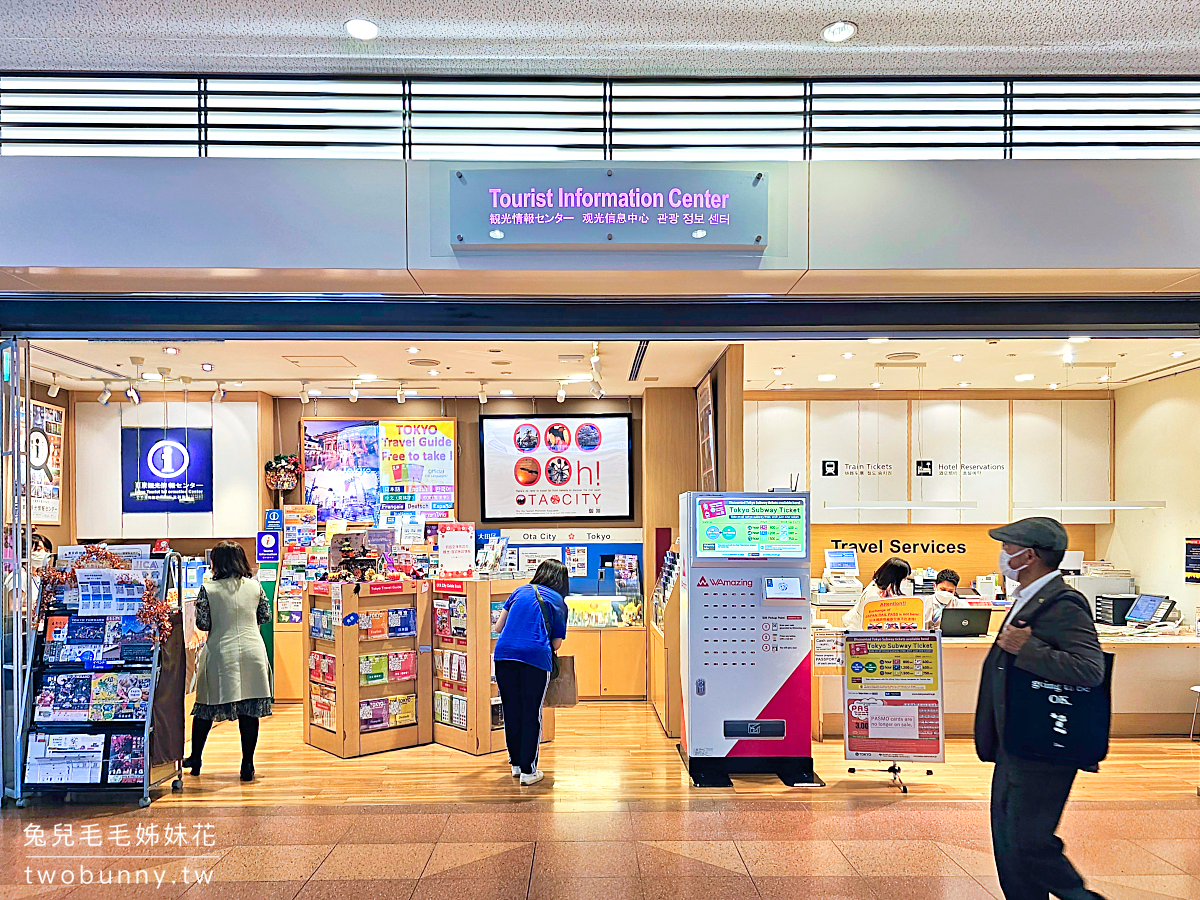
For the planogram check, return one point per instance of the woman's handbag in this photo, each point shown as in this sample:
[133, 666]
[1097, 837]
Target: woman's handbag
[1057, 723]
[562, 690]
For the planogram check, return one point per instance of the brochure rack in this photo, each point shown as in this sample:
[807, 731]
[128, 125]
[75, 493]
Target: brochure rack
[369, 682]
[466, 706]
[127, 737]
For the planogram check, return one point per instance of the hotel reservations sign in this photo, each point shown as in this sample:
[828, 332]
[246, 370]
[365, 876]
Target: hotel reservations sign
[717, 208]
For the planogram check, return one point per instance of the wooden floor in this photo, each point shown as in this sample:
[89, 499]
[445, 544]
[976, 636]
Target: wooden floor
[611, 752]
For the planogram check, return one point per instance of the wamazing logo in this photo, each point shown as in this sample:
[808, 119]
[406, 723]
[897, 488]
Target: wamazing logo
[723, 582]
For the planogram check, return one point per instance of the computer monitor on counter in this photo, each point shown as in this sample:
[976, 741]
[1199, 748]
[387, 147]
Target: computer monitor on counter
[1072, 563]
[843, 560]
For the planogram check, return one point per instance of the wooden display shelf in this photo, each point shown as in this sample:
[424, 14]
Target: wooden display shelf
[347, 647]
[478, 737]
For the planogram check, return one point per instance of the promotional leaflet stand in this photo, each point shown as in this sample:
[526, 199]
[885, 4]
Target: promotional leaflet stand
[744, 622]
[892, 699]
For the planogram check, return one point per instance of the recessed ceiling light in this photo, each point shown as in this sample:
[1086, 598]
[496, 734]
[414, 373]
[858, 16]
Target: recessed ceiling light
[826, 377]
[434, 372]
[1079, 339]
[847, 355]
[152, 376]
[367, 376]
[362, 29]
[313, 392]
[1025, 377]
[1069, 357]
[414, 349]
[170, 351]
[1053, 385]
[1175, 354]
[838, 32]
[506, 392]
[964, 384]
[1105, 377]
[787, 387]
[206, 367]
[506, 373]
[877, 340]
[777, 371]
[957, 357]
[238, 383]
[877, 384]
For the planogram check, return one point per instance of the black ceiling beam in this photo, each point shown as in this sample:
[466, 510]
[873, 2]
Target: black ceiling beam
[357, 315]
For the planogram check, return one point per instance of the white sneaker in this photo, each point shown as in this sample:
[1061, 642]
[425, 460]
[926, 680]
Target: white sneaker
[527, 780]
[516, 771]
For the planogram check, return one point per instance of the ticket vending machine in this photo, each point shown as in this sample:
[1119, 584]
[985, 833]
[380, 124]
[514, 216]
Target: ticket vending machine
[746, 662]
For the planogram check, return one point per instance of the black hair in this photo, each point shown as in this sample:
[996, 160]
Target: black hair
[553, 574]
[891, 574]
[229, 560]
[947, 575]
[1052, 558]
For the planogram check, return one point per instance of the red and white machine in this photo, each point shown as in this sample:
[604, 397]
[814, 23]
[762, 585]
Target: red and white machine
[746, 661]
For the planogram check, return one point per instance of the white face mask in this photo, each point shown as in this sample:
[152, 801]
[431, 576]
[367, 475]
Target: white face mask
[1006, 569]
[39, 558]
[945, 598]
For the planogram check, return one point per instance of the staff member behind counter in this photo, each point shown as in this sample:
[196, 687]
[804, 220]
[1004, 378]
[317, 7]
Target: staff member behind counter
[888, 581]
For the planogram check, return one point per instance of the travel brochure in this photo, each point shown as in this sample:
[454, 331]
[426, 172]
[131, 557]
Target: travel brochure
[97, 642]
[95, 697]
[450, 709]
[323, 700]
[381, 668]
[378, 624]
[322, 668]
[450, 665]
[387, 712]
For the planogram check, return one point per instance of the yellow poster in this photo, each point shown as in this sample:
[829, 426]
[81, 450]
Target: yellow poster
[893, 613]
[892, 661]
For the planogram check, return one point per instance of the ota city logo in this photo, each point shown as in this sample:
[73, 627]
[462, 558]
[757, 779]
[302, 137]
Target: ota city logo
[168, 459]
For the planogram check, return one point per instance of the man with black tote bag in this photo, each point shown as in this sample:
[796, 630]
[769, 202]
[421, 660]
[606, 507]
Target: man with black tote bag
[1042, 714]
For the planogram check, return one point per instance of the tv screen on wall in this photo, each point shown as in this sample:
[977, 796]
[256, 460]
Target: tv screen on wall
[550, 468]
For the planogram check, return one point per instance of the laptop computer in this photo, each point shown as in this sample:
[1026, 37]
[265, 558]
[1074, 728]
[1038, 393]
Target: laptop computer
[965, 622]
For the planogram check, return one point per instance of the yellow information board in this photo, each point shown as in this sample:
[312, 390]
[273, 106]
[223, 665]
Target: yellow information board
[893, 613]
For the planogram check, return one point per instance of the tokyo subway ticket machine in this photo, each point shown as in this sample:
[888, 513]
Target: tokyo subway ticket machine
[745, 620]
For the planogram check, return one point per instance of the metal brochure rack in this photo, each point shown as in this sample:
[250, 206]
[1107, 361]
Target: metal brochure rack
[157, 705]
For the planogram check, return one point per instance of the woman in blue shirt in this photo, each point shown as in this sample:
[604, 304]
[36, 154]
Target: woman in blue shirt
[523, 661]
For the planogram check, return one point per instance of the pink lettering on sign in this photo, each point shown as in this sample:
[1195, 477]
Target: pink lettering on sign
[712, 509]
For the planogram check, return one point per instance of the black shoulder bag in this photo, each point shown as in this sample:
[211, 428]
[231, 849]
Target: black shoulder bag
[1056, 723]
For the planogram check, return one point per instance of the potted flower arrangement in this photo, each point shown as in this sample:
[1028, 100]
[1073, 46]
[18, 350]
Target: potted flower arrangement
[282, 471]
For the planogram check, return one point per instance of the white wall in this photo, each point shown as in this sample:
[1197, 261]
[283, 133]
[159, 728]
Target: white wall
[236, 470]
[1157, 458]
[775, 438]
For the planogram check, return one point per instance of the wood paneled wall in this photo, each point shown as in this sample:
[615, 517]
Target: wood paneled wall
[729, 377]
[979, 558]
[670, 463]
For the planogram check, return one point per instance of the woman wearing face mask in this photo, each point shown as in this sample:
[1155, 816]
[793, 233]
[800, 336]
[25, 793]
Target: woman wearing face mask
[37, 558]
[945, 596]
[888, 581]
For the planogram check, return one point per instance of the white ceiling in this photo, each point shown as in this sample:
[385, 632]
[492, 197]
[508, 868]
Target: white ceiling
[528, 368]
[617, 37]
[533, 369]
[985, 365]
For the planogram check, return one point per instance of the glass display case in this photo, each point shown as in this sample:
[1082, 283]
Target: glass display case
[609, 611]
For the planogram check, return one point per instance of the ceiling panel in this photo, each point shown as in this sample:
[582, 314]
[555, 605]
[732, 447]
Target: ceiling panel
[621, 37]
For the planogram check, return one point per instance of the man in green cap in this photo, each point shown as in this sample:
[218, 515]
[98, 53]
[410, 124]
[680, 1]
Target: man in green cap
[1061, 646]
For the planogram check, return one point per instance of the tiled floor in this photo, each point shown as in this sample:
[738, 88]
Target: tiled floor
[343, 830]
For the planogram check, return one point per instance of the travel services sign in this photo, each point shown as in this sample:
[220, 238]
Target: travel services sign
[716, 208]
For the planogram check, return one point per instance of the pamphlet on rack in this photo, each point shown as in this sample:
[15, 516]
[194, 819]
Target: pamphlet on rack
[110, 592]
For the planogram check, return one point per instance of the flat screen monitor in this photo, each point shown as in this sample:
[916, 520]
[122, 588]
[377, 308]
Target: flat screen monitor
[843, 560]
[1145, 609]
[551, 468]
[751, 528]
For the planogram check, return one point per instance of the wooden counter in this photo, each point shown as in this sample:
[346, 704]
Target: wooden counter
[1151, 689]
[610, 663]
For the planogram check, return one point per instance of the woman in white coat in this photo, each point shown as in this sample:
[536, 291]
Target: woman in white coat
[887, 581]
[233, 675]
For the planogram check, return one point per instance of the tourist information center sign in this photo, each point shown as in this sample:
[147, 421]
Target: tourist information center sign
[720, 208]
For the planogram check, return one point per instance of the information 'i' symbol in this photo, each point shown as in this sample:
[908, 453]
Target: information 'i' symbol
[168, 459]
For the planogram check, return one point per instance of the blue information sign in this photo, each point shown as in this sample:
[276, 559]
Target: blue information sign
[166, 470]
[273, 520]
[267, 548]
